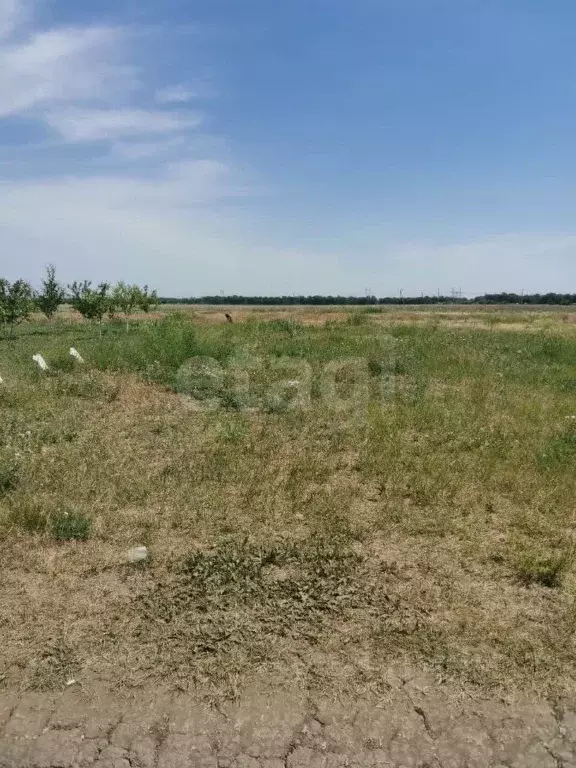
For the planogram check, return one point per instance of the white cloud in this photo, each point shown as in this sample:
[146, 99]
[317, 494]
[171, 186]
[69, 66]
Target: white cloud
[174, 232]
[62, 66]
[533, 261]
[176, 94]
[11, 12]
[181, 232]
[108, 124]
[141, 150]
[161, 197]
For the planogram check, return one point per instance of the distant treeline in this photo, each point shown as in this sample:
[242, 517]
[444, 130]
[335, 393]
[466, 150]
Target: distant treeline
[489, 298]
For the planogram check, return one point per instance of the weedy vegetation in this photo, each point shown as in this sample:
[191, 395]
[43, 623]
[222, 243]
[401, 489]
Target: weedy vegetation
[325, 494]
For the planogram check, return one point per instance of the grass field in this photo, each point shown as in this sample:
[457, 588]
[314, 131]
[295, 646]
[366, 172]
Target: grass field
[326, 494]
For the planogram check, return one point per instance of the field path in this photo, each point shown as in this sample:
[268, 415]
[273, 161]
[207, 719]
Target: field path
[419, 724]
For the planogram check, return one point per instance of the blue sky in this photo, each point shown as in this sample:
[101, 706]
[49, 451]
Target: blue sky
[308, 146]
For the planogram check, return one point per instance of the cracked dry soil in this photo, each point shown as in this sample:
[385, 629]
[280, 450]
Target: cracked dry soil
[418, 725]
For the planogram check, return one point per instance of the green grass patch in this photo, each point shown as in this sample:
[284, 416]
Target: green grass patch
[70, 526]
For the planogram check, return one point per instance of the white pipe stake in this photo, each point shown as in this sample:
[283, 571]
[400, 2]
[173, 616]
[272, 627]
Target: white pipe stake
[42, 364]
[76, 355]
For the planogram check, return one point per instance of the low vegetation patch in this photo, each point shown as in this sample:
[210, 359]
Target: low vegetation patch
[70, 526]
[10, 474]
[241, 604]
[321, 499]
[547, 569]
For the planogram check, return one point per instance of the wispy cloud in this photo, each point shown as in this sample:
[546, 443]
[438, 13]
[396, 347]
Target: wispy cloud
[175, 232]
[142, 150]
[146, 190]
[11, 12]
[81, 81]
[62, 66]
[175, 94]
[110, 124]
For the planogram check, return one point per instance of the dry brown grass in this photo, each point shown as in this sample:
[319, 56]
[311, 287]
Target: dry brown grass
[329, 547]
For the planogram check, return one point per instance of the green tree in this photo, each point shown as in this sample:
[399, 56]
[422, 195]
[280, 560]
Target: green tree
[16, 302]
[147, 299]
[52, 294]
[91, 303]
[125, 298]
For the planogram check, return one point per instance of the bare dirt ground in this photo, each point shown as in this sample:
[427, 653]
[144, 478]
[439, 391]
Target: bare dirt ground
[417, 724]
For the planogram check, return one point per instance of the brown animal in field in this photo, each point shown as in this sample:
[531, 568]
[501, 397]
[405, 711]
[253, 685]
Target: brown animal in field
[228, 317]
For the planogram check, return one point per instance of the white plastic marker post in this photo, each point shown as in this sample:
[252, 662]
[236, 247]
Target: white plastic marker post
[1, 380]
[137, 555]
[42, 364]
[76, 355]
